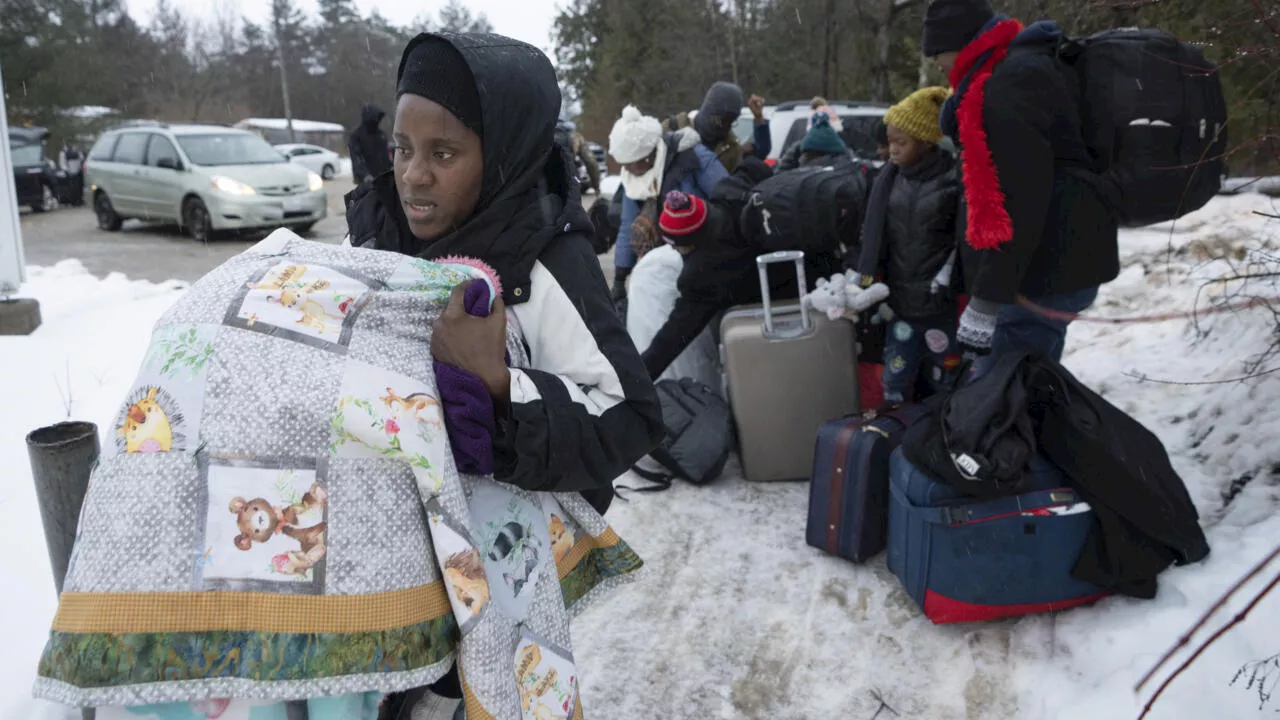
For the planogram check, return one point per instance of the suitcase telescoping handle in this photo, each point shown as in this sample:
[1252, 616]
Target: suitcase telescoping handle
[762, 263]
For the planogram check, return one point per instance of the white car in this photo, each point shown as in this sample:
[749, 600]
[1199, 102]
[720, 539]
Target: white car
[790, 121]
[325, 163]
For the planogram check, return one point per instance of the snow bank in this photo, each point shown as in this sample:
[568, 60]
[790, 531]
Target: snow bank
[86, 354]
[736, 617]
[1269, 185]
[1084, 664]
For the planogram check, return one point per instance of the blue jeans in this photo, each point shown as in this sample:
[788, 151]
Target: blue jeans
[624, 256]
[1018, 328]
[907, 343]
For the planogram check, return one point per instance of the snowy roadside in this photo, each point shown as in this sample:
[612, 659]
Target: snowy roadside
[94, 335]
[736, 617]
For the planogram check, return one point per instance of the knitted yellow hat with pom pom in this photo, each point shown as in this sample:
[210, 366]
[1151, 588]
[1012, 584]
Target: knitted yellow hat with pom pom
[917, 115]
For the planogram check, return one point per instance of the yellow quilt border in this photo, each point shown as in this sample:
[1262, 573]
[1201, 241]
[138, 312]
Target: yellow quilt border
[171, 612]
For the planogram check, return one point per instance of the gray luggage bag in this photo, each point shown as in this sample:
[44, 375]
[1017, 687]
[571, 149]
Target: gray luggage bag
[787, 370]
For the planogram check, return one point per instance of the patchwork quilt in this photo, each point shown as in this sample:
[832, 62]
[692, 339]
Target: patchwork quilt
[279, 515]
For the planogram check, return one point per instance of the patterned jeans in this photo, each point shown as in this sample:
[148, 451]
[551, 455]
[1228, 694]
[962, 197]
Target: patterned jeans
[908, 344]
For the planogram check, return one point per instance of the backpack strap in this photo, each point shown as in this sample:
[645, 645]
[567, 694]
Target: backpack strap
[661, 481]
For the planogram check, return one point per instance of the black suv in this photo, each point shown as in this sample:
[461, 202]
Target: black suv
[35, 182]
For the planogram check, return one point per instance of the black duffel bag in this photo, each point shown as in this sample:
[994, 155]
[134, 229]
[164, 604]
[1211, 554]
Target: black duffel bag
[699, 435]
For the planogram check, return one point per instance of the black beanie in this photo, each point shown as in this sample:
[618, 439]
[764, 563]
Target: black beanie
[434, 69]
[950, 25]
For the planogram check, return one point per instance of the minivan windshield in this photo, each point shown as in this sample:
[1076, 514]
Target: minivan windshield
[27, 155]
[228, 149]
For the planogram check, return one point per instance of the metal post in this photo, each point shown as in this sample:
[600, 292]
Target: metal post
[284, 83]
[62, 456]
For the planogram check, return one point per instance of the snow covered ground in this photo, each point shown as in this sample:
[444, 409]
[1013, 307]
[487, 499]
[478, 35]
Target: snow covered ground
[1265, 185]
[609, 185]
[735, 616]
[85, 355]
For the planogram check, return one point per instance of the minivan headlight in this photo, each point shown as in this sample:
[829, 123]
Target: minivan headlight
[315, 182]
[231, 187]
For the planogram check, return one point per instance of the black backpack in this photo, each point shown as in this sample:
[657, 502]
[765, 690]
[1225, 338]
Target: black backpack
[606, 217]
[1154, 118]
[699, 434]
[810, 209]
[604, 229]
[733, 193]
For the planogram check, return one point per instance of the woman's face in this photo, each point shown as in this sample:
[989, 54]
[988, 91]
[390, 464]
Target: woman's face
[439, 167]
[640, 167]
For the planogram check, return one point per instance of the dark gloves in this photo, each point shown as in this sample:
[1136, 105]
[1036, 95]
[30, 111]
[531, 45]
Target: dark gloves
[468, 408]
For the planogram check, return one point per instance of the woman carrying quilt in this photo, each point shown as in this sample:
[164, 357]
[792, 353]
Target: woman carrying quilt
[377, 471]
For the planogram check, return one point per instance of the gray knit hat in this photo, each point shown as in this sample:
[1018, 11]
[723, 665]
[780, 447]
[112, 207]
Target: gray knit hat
[724, 98]
[722, 105]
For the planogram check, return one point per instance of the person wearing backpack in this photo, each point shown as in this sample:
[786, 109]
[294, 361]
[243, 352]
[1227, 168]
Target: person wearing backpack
[793, 154]
[822, 146]
[714, 122]
[909, 239]
[719, 272]
[653, 164]
[1037, 224]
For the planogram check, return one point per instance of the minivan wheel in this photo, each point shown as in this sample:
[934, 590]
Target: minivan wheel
[48, 200]
[327, 172]
[195, 217]
[108, 220]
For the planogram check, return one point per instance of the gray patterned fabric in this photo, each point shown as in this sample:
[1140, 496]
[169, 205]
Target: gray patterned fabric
[285, 438]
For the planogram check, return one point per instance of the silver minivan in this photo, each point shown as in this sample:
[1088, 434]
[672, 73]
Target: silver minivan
[205, 178]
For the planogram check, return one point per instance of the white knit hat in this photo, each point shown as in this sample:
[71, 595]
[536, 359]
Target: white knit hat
[634, 136]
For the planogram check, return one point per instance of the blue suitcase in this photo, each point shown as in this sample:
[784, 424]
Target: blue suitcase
[963, 560]
[849, 488]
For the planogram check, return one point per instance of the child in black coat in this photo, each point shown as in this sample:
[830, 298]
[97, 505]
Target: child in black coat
[909, 240]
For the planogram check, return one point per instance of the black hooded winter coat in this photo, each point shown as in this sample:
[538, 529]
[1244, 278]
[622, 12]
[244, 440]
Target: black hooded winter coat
[585, 410]
[368, 146]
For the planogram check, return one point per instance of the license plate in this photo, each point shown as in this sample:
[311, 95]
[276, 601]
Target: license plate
[293, 204]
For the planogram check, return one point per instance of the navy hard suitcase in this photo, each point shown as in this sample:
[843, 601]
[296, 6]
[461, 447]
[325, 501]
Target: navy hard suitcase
[849, 487]
[966, 560]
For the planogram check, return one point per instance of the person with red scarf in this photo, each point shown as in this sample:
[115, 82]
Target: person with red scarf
[1038, 226]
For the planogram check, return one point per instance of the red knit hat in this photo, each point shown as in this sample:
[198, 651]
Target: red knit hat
[682, 215]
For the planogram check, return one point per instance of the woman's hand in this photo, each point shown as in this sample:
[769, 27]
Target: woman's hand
[475, 344]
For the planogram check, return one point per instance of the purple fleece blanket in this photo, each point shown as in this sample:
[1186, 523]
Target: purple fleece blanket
[468, 407]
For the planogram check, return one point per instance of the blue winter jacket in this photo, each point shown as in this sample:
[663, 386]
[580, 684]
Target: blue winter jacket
[698, 182]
